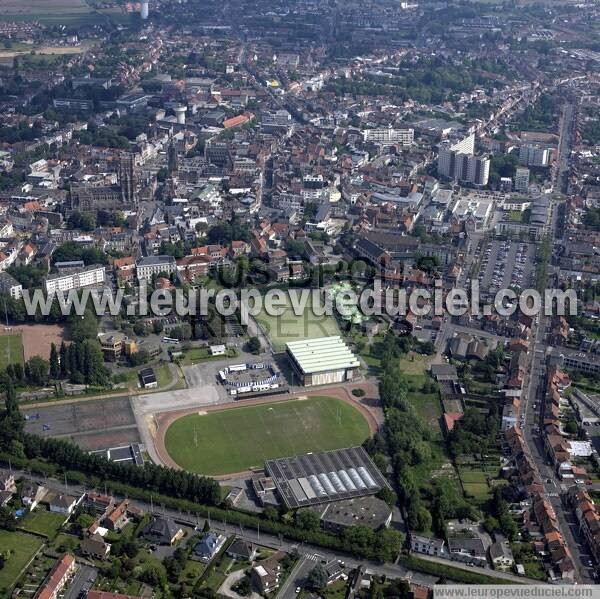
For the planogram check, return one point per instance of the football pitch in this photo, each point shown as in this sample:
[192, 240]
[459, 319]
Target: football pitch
[11, 350]
[289, 327]
[239, 439]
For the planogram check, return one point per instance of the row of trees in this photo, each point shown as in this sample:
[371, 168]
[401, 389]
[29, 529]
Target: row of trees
[80, 362]
[176, 483]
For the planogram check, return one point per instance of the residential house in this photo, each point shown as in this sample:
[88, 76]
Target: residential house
[501, 555]
[469, 550]
[162, 531]
[427, 545]
[7, 481]
[242, 550]
[210, 544]
[63, 504]
[32, 494]
[98, 502]
[95, 546]
[117, 518]
[56, 581]
[266, 576]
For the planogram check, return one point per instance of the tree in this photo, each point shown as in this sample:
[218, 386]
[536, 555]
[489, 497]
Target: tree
[63, 360]
[387, 495]
[84, 521]
[317, 578]
[154, 575]
[84, 327]
[243, 587]
[398, 589]
[54, 362]
[387, 544]
[253, 345]
[571, 427]
[7, 519]
[307, 520]
[36, 371]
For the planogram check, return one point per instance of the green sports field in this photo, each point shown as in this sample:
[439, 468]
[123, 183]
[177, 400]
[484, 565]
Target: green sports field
[11, 350]
[289, 327]
[242, 438]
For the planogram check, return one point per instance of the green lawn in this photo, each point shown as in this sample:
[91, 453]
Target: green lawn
[202, 354]
[18, 548]
[239, 439]
[289, 327]
[43, 522]
[11, 350]
[48, 12]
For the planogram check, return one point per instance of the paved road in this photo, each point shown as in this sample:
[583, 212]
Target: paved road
[564, 146]
[297, 577]
[535, 389]
[82, 582]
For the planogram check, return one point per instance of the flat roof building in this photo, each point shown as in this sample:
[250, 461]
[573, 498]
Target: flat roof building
[322, 361]
[316, 478]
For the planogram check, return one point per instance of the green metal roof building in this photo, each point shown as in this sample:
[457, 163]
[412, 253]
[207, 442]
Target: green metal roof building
[322, 361]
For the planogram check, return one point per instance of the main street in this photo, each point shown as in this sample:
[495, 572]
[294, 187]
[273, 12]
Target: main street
[564, 146]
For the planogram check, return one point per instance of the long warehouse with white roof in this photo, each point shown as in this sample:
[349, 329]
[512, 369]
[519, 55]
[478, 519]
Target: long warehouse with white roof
[322, 361]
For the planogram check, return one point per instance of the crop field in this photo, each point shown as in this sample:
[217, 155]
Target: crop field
[235, 440]
[289, 327]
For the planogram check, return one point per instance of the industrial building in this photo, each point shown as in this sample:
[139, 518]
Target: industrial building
[322, 361]
[317, 478]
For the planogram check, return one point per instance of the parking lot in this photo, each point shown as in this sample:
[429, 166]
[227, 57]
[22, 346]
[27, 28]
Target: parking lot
[506, 264]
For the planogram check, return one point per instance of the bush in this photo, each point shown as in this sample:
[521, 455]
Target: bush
[358, 392]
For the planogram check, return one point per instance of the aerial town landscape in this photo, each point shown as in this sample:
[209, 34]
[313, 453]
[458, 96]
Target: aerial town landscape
[446, 148]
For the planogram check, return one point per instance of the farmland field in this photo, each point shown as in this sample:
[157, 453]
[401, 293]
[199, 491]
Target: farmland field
[238, 439]
[289, 327]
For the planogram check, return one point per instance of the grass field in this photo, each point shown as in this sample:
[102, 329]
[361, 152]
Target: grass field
[202, 354]
[48, 12]
[43, 522]
[11, 350]
[18, 549]
[242, 438]
[289, 327]
[427, 406]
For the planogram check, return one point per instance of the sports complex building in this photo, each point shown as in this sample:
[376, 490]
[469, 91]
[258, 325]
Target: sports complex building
[251, 380]
[316, 478]
[322, 361]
